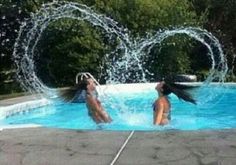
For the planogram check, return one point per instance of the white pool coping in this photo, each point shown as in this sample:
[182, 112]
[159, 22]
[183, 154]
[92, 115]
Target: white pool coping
[19, 108]
[140, 87]
[7, 111]
[14, 126]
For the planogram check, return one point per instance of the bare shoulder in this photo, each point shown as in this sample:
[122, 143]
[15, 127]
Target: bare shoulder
[159, 103]
[163, 101]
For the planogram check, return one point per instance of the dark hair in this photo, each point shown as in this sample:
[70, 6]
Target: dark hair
[69, 94]
[180, 90]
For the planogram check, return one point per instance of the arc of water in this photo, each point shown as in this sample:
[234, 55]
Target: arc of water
[219, 65]
[199, 35]
[31, 31]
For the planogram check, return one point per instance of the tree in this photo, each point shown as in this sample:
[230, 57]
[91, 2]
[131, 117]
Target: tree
[9, 27]
[219, 18]
[68, 46]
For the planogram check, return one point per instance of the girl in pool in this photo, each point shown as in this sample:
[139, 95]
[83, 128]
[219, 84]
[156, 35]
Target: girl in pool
[95, 109]
[162, 106]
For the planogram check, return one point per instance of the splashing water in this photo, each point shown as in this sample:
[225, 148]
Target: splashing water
[131, 50]
[31, 31]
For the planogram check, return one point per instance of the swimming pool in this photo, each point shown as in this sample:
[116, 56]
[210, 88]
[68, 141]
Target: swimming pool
[130, 107]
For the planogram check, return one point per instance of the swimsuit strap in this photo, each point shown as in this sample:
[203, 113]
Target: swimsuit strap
[154, 107]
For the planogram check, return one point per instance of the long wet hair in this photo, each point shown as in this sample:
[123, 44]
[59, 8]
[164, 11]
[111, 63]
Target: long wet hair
[69, 94]
[180, 90]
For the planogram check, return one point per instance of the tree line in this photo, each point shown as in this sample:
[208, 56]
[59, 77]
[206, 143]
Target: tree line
[68, 46]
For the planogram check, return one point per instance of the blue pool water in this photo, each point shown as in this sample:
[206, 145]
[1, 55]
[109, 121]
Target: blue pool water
[216, 109]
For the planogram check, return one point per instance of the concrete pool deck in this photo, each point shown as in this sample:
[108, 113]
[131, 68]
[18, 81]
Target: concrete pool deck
[49, 146]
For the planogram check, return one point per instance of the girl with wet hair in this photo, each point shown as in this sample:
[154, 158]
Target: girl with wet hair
[162, 106]
[94, 106]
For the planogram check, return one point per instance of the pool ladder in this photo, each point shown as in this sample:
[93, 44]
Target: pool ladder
[86, 75]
